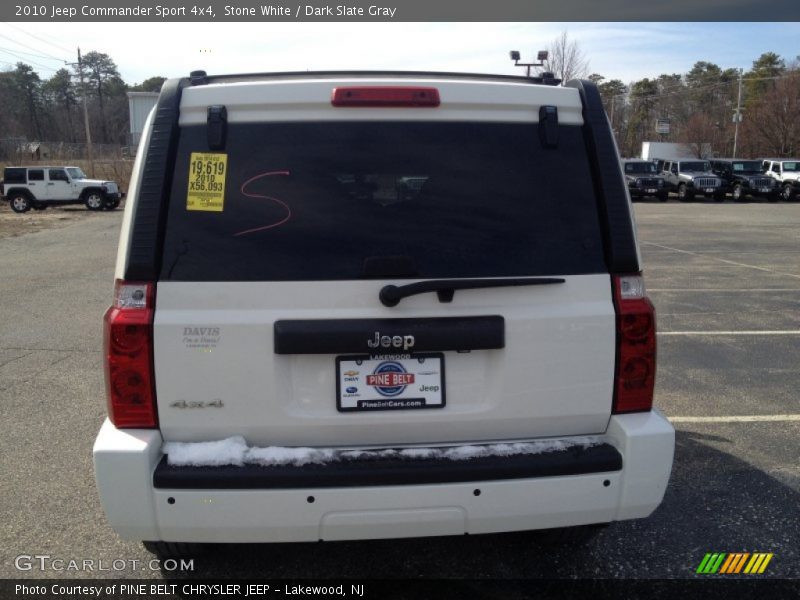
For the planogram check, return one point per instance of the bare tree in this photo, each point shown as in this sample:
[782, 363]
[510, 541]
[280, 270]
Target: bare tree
[565, 59]
[702, 134]
[772, 123]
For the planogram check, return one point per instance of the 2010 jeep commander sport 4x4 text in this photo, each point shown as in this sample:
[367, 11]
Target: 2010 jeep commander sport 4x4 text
[366, 305]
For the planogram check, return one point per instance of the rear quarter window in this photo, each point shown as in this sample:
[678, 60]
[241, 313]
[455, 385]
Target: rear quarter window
[15, 175]
[355, 200]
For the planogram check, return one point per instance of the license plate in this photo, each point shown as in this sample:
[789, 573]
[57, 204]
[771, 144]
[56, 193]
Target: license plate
[709, 190]
[390, 382]
[651, 191]
[765, 190]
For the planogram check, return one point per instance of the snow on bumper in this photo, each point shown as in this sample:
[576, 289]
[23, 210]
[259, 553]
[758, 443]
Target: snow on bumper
[125, 461]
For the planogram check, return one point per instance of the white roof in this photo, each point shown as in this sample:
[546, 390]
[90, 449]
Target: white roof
[307, 99]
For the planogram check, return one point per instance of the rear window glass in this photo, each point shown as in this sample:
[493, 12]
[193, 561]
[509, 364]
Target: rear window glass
[15, 175]
[356, 200]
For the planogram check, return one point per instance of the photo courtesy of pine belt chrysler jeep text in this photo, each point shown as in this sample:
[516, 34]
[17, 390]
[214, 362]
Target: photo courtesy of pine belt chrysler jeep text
[365, 305]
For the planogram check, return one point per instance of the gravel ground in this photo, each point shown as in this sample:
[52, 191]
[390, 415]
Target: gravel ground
[15, 224]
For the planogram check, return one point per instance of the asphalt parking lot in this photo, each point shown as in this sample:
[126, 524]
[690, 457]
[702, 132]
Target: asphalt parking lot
[725, 279]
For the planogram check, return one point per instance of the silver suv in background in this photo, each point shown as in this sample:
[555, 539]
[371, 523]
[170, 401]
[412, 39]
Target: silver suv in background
[365, 305]
[692, 177]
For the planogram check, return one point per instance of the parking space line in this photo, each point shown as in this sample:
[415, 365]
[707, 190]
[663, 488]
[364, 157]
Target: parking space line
[8, 362]
[714, 290]
[730, 262]
[767, 332]
[735, 419]
[769, 252]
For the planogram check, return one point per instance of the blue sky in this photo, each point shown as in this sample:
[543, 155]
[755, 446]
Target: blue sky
[625, 51]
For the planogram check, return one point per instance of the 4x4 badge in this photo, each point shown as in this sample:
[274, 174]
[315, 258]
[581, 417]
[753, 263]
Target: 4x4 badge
[405, 342]
[215, 403]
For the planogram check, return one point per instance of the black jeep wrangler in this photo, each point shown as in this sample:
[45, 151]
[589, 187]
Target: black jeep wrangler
[643, 179]
[742, 178]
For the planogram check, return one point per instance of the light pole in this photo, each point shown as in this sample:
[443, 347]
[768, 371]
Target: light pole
[89, 149]
[737, 117]
[541, 57]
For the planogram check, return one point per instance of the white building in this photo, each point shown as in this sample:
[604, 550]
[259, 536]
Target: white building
[139, 105]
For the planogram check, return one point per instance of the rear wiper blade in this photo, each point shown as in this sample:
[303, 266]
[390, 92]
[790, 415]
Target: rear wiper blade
[390, 295]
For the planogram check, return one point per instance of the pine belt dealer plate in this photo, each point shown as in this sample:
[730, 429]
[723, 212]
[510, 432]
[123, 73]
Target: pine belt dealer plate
[390, 382]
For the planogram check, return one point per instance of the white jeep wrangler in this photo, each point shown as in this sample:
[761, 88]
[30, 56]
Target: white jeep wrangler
[786, 173]
[40, 187]
[366, 305]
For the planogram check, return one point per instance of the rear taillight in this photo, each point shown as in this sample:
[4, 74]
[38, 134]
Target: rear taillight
[636, 346]
[385, 96]
[128, 341]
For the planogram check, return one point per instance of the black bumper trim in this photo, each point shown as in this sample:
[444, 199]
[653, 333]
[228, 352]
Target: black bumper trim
[383, 471]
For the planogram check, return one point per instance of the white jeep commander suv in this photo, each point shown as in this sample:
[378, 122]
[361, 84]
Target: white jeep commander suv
[366, 305]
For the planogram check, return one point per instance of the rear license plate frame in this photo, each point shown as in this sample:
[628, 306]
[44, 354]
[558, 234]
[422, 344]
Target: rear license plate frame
[353, 371]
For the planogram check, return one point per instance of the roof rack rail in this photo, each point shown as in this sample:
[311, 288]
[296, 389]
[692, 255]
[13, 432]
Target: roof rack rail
[202, 78]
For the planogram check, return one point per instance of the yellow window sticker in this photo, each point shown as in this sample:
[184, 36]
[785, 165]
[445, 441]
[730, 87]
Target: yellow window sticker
[206, 186]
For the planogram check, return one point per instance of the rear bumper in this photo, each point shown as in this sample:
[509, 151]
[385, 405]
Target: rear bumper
[623, 477]
[374, 468]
